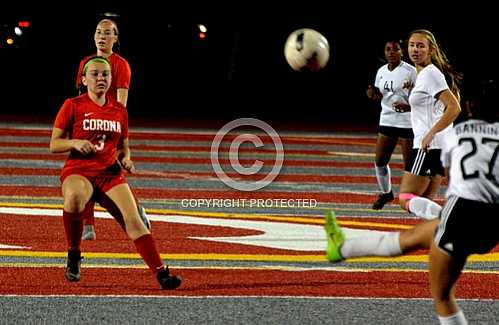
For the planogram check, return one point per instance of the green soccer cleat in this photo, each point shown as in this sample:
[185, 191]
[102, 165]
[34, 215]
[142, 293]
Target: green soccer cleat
[335, 238]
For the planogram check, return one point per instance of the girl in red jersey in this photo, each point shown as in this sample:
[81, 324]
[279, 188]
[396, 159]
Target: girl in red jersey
[106, 37]
[92, 128]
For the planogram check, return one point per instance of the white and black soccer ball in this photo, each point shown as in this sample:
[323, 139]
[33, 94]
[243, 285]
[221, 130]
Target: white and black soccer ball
[306, 50]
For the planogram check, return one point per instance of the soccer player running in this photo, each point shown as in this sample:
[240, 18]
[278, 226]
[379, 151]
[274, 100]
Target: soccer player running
[392, 85]
[472, 154]
[106, 38]
[92, 128]
[434, 107]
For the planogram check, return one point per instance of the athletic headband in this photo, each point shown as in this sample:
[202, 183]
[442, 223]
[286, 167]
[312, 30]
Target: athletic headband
[98, 59]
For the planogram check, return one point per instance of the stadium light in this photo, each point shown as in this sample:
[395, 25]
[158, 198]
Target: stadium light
[202, 28]
[111, 14]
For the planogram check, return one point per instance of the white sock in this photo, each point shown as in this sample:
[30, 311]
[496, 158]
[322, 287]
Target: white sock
[372, 243]
[424, 208]
[456, 319]
[383, 175]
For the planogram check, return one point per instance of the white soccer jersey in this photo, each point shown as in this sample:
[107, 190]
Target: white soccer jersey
[395, 86]
[471, 149]
[426, 110]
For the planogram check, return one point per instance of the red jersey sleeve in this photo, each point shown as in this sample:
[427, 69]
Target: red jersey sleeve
[123, 75]
[64, 118]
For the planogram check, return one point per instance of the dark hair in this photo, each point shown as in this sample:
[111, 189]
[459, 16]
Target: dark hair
[394, 40]
[483, 100]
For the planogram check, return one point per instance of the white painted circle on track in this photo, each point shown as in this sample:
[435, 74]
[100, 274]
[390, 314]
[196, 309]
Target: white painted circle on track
[291, 236]
[280, 235]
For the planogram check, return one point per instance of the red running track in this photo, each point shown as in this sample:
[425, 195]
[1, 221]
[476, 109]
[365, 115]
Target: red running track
[239, 282]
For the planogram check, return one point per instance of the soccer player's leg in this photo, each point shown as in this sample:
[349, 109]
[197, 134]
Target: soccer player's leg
[335, 238]
[76, 190]
[444, 272]
[411, 197]
[142, 212]
[89, 222]
[384, 149]
[420, 182]
[359, 242]
[123, 198]
[140, 208]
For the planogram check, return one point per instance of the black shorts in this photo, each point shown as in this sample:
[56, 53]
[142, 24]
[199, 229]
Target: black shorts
[394, 132]
[425, 163]
[467, 227]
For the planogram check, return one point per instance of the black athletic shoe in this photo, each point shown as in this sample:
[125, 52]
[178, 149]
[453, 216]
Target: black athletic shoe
[143, 217]
[167, 281]
[73, 267]
[383, 199]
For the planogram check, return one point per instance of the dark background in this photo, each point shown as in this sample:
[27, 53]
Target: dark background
[239, 70]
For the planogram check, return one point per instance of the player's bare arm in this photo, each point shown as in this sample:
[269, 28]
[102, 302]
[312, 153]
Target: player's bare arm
[126, 161]
[59, 142]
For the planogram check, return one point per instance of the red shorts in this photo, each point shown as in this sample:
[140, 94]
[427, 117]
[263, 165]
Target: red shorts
[102, 182]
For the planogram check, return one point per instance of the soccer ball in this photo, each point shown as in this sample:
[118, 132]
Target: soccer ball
[306, 50]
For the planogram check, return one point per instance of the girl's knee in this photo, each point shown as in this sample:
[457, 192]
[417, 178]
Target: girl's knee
[74, 200]
[135, 228]
[403, 203]
[404, 199]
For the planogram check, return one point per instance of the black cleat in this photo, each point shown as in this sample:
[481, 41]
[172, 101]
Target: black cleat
[383, 199]
[73, 267]
[167, 281]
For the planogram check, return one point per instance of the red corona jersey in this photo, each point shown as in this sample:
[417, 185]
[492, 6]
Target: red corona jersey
[120, 73]
[106, 127]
